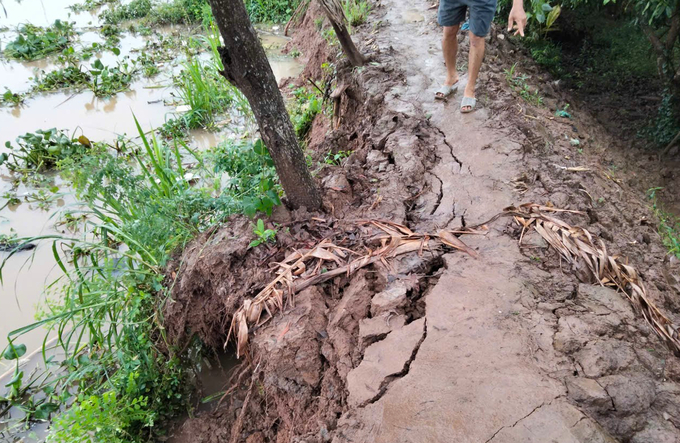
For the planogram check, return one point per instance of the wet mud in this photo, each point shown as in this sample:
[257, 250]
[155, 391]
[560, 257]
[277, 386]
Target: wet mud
[442, 347]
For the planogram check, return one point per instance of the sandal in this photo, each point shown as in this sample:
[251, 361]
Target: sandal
[468, 101]
[445, 90]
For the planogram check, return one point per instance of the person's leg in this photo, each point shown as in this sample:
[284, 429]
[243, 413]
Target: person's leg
[450, 50]
[476, 55]
[450, 15]
[481, 15]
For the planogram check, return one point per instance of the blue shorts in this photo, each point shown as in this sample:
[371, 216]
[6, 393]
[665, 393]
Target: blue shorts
[452, 13]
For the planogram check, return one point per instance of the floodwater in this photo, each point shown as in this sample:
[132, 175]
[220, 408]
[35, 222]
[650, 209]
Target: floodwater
[26, 274]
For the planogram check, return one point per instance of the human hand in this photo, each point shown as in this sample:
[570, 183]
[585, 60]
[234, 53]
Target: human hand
[517, 19]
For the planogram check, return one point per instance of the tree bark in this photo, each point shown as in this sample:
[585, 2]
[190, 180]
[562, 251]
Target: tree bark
[336, 15]
[246, 67]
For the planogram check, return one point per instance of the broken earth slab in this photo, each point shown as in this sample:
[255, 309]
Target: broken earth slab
[383, 359]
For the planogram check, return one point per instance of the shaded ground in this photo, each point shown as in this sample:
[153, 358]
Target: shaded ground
[508, 347]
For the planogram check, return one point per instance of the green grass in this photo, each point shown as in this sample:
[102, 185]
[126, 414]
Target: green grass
[356, 11]
[518, 83]
[669, 224]
[34, 42]
[201, 87]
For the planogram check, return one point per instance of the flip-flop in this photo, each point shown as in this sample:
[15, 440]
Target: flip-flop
[445, 91]
[468, 101]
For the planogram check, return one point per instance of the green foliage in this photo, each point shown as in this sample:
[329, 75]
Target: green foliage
[275, 11]
[356, 11]
[666, 125]
[43, 149]
[34, 42]
[251, 175]
[101, 79]
[303, 110]
[669, 225]
[12, 98]
[547, 54]
[262, 235]
[68, 77]
[518, 83]
[100, 418]
[135, 9]
[179, 12]
[90, 5]
[337, 158]
[200, 86]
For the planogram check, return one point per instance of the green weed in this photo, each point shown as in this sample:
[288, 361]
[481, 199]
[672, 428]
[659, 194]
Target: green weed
[34, 42]
[200, 86]
[669, 225]
[356, 11]
[303, 110]
[43, 150]
[274, 11]
[101, 79]
[518, 83]
[252, 178]
[12, 98]
[661, 129]
[337, 158]
[262, 235]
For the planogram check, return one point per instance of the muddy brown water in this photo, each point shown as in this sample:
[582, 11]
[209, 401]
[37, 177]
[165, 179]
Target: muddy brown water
[103, 119]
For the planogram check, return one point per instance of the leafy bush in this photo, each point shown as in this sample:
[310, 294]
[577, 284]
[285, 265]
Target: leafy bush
[251, 174]
[276, 11]
[34, 42]
[303, 110]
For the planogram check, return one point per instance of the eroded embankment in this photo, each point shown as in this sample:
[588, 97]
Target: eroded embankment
[510, 346]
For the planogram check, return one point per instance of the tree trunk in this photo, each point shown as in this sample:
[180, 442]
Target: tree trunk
[336, 15]
[246, 67]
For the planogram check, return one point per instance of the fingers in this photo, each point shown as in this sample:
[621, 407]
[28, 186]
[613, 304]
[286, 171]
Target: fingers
[511, 21]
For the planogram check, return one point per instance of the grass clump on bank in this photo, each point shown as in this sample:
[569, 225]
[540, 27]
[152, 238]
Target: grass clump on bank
[669, 225]
[34, 42]
[120, 380]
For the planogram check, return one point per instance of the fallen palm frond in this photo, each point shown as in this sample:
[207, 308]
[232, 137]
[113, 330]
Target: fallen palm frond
[593, 264]
[304, 268]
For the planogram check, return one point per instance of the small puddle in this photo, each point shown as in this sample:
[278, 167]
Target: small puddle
[412, 16]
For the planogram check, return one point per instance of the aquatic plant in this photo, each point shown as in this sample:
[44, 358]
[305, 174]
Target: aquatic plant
[34, 42]
[42, 149]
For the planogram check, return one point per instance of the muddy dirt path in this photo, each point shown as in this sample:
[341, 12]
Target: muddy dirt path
[508, 347]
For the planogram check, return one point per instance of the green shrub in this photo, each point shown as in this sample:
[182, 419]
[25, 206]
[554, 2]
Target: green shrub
[33, 42]
[274, 11]
[136, 9]
[666, 125]
[303, 110]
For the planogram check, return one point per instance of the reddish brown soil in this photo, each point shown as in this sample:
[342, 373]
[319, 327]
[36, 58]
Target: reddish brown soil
[509, 347]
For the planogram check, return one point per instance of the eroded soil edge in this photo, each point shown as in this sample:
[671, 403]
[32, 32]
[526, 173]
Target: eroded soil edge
[506, 347]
